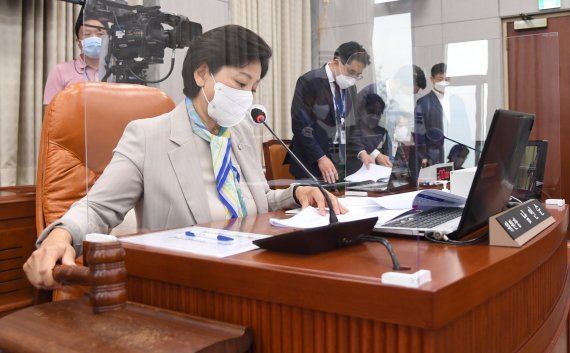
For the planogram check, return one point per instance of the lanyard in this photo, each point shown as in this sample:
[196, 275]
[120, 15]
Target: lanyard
[339, 105]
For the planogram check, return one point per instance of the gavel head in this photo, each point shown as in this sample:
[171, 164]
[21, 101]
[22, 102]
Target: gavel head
[107, 274]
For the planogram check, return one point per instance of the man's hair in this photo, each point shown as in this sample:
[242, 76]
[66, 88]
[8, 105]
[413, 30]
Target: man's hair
[350, 51]
[419, 77]
[373, 103]
[456, 151]
[437, 69]
[230, 45]
[81, 19]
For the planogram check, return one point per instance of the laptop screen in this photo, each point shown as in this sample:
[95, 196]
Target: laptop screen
[497, 169]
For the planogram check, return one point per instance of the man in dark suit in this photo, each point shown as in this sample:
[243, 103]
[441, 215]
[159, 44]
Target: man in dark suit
[321, 111]
[429, 120]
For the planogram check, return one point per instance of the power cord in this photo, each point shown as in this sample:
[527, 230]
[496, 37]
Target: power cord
[395, 263]
[442, 238]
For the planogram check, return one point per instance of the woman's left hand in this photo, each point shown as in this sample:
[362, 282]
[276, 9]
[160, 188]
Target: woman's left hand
[312, 196]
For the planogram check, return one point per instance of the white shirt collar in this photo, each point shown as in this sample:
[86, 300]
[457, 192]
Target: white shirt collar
[439, 95]
[330, 74]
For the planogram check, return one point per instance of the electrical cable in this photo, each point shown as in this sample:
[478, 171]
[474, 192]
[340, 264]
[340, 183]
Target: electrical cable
[160, 80]
[443, 239]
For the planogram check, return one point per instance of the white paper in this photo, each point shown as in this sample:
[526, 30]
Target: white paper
[204, 242]
[385, 208]
[397, 201]
[374, 173]
[311, 218]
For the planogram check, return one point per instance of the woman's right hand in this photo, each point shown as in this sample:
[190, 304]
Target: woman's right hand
[39, 267]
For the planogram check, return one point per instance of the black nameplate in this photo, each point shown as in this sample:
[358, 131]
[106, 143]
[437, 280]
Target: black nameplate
[522, 218]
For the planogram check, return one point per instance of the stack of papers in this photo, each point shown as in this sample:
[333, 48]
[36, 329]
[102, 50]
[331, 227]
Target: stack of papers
[385, 208]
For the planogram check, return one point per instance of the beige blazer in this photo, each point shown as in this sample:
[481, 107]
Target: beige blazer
[154, 170]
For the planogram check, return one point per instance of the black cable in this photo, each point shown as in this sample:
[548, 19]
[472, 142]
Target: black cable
[162, 79]
[445, 240]
[395, 263]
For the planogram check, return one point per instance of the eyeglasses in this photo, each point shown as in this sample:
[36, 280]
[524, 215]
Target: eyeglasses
[352, 73]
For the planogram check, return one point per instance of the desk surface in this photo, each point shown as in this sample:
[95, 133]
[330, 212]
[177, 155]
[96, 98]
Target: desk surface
[466, 281]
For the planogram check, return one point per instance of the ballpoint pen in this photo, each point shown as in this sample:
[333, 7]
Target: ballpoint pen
[219, 237]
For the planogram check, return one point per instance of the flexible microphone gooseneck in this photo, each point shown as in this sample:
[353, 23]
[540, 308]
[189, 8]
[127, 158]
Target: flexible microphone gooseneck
[259, 116]
[318, 239]
[436, 134]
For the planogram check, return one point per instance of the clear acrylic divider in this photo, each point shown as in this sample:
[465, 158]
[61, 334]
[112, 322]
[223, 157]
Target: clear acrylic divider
[386, 103]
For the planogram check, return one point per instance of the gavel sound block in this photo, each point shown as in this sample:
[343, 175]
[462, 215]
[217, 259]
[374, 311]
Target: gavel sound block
[110, 324]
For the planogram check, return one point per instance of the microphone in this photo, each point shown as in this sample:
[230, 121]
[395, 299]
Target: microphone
[314, 240]
[258, 114]
[436, 135]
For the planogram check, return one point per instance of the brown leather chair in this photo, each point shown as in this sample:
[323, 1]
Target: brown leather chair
[276, 172]
[81, 127]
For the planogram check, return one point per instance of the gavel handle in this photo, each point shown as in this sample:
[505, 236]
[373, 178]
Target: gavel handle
[67, 274]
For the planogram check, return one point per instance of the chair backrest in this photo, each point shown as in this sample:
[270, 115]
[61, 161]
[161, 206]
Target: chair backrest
[94, 111]
[274, 155]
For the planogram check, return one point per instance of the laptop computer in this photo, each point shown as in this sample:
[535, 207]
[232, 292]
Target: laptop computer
[491, 188]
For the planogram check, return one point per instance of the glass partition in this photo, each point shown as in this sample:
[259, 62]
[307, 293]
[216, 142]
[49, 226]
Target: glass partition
[418, 104]
[540, 173]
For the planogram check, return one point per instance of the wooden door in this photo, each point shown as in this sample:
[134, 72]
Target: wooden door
[538, 82]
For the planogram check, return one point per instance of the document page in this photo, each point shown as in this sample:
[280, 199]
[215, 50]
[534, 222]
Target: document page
[374, 173]
[199, 241]
[385, 208]
[359, 208]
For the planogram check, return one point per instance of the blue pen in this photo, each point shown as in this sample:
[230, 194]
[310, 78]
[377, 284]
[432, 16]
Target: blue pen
[220, 237]
[224, 238]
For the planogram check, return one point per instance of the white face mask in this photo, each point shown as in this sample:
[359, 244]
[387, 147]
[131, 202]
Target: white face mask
[401, 134]
[345, 81]
[229, 105]
[441, 85]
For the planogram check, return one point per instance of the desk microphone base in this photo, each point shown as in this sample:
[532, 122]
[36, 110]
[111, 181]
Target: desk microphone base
[319, 239]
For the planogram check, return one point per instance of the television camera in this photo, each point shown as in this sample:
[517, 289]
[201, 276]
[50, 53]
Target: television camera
[138, 36]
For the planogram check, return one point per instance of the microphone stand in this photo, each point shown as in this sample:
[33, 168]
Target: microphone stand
[302, 244]
[332, 216]
[462, 144]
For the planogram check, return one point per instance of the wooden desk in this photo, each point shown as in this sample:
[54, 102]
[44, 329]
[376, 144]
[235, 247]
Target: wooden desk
[17, 239]
[482, 298]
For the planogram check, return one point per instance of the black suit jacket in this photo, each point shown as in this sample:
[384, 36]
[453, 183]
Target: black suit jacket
[429, 115]
[313, 120]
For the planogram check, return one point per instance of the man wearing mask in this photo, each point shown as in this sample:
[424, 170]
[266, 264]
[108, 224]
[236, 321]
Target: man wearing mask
[429, 119]
[321, 111]
[89, 35]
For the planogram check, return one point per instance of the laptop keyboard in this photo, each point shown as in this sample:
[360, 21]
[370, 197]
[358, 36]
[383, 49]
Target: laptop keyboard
[426, 219]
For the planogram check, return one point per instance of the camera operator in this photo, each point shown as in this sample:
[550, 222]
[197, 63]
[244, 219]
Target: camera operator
[86, 67]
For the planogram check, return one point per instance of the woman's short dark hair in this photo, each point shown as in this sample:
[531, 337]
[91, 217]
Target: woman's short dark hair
[230, 45]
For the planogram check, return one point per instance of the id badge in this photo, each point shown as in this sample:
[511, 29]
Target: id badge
[342, 137]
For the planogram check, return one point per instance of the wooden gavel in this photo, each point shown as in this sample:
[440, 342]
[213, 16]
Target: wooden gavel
[104, 272]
